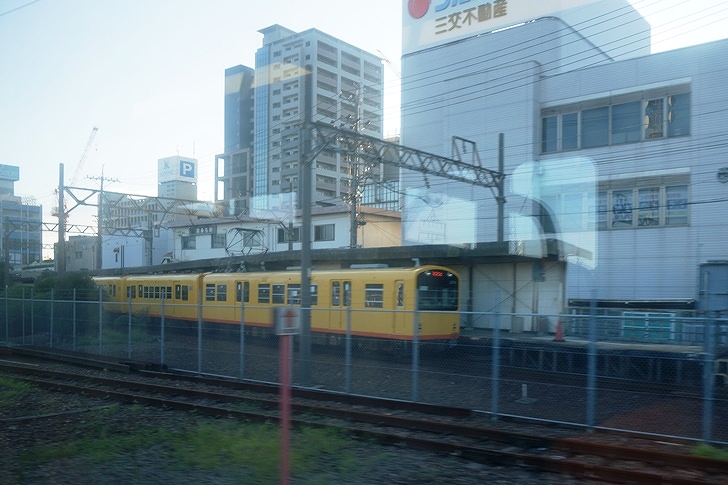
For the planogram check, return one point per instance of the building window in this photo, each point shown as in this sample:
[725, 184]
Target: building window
[189, 242]
[622, 205]
[632, 204]
[324, 232]
[289, 234]
[218, 241]
[626, 122]
[639, 119]
[643, 207]
[595, 127]
[676, 205]
[648, 208]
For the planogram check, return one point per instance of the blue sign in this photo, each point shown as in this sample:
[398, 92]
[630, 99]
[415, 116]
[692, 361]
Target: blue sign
[186, 169]
[9, 172]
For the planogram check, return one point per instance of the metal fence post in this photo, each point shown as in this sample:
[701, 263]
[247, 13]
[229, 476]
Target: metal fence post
[23, 319]
[50, 333]
[200, 294]
[161, 330]
[32, 317]
[128, 337]
[73, 323]
[242, 337]
[347, 351]
[708, 358]
[592, 363]
[101, 318]
[495, 370]
[416, 348]
[7, 321]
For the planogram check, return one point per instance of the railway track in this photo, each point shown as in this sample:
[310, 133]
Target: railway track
[442, 429]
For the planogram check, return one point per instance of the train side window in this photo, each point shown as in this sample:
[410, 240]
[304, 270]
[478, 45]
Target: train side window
[374, 295]
[130, 291]
[185, 293]
[157, 293]
[264, 293]
[242, 292]
[177, 292]
[294, 294]
[279, 294]
[347, 293]
[221, 292]
[141, 294]
[335, 293]
[400, 294]
[146, 292]
[210, 292]
[167, 293]
[314, 294]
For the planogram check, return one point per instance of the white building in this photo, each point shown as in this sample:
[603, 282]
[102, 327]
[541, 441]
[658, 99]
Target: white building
[607, 147]
[277, 230]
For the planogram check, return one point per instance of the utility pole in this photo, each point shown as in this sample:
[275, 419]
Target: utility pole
[355, 174]
[305, 183]
[99, 218]
[61, 247]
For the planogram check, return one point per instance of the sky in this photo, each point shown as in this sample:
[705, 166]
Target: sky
[149, 74]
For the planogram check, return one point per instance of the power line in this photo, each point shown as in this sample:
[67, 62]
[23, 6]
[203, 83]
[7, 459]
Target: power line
[7, 12]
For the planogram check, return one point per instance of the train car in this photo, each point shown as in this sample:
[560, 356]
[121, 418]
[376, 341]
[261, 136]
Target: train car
[367, 302]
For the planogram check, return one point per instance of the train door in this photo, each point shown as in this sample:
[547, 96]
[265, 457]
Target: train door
[242, 298]
[340, 301]
[180, 299]
[400, 318]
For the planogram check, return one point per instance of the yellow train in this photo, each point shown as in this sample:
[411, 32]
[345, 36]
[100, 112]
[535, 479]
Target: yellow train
[379, 301]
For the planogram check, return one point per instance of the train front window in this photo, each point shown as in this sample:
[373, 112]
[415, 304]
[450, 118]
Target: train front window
[438, 290]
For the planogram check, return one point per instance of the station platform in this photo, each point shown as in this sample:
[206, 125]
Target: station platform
[652, 362]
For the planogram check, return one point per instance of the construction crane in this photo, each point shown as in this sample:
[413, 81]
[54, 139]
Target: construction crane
[83, 156]
[54, 210]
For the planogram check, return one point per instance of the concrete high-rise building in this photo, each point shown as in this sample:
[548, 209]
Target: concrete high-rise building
[263, 117]
[21, 221]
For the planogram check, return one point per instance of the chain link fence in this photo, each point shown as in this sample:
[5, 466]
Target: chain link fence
[645, 372]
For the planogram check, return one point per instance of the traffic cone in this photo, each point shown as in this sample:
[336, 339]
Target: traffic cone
[559, 333]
